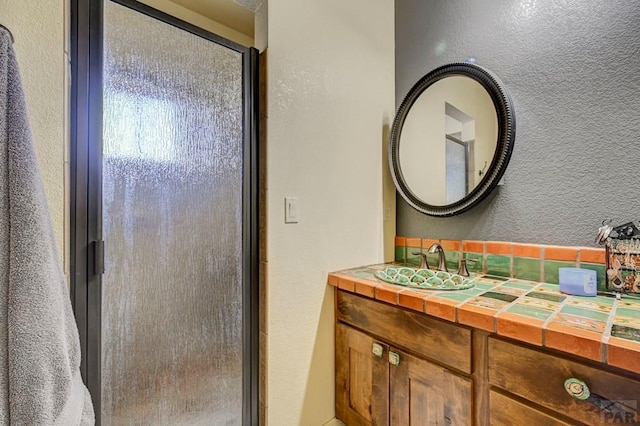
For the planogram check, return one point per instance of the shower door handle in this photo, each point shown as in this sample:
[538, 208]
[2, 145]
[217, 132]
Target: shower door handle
[98, 257]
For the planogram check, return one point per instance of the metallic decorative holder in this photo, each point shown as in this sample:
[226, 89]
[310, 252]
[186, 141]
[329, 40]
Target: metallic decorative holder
[622, 256]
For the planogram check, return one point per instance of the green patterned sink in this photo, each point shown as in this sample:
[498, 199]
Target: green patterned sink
[425, 279]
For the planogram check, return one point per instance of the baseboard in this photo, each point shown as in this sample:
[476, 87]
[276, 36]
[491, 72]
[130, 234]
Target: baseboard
[334, 422]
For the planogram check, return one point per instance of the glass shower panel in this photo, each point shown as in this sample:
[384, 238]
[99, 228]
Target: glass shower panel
[456, 169]
[172, 225]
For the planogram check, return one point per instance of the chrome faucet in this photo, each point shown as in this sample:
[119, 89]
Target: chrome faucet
[463, 271]
[442, 262]
[423, 259]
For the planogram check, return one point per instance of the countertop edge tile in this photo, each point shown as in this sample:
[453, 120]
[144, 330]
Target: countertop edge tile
[347, 284]
[441, 308]
[520, 328]
[387, 294]
[623, 354]
[477, 316]
[586, 344]
[592, 345]
[412, 300]
[366, 289]
[332, 280]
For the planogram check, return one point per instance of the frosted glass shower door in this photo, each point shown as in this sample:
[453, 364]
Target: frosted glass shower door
[456, 170]
[172, 223]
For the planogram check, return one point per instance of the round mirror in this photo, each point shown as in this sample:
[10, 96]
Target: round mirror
[451, 139]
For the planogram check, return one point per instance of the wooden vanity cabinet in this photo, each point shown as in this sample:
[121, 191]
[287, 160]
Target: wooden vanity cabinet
[430, 372]
[372, 390]
[378, 382]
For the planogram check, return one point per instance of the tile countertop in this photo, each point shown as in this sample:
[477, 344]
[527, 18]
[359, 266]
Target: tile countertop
[599, 328]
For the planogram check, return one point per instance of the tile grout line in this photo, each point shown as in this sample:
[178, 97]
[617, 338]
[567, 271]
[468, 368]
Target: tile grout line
[501, 310]
[607, 330]
[427, 295]
[511, 262]
[542, 260]
[458, 306]
[555, 313]
[510, 304]
[494, 316]
[579, 258]
[455, 307]
[484, 257]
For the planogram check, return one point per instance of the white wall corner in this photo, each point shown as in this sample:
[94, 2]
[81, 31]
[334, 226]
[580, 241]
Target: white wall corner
[260, 33]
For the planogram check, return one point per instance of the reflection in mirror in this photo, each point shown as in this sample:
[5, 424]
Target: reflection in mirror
[451, 139]
[448, 138]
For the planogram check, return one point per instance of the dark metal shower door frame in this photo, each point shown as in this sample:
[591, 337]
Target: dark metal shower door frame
[86, 193]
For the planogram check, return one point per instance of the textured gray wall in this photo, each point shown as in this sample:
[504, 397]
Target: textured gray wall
[572, 68]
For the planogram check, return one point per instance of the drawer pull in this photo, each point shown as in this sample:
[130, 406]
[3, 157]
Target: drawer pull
[577, 388]
[394, 358]
[377, 350]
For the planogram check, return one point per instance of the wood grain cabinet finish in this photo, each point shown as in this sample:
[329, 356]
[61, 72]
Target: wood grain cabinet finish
[441, 341]
[370, 390]
[423, 393]
[362, 379]
[449, 374]
[373, 391]
[539, 377]
[506, 411]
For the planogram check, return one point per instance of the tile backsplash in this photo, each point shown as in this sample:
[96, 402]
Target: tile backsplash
[506, 259]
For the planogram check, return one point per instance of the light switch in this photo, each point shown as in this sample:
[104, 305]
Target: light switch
[291, 210]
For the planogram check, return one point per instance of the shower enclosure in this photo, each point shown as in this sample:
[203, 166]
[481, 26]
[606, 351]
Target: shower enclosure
[164, 223]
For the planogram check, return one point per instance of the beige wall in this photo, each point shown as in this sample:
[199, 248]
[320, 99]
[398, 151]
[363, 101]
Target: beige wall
[330, 96]
[39, 31]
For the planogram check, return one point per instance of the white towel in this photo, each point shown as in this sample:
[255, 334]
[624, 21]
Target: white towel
[40, 381]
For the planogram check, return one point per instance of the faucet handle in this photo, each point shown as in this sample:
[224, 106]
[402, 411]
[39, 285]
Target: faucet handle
[423, 262]
[463, 271]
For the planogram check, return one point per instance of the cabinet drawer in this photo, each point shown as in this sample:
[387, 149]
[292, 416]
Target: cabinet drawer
[441, 341]
[509, 412]
[540, 377]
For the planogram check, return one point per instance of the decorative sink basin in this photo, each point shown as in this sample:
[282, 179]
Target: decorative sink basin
[425, 279]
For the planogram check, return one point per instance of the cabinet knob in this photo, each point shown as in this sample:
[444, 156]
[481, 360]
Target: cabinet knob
[577, 388]
[394, 358]
[377, 350]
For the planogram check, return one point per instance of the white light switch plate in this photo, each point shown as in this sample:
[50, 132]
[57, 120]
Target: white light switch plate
[291, 210]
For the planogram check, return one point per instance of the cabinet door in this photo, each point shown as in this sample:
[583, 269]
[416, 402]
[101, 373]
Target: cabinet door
[362, 379]
[422, 393]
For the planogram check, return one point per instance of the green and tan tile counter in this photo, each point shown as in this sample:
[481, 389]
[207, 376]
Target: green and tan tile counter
[516, 295]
